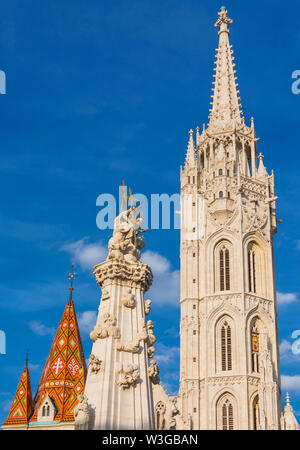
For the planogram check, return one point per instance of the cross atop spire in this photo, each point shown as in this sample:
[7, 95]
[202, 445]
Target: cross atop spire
[27, 359]
[225, 113]
[71, 277]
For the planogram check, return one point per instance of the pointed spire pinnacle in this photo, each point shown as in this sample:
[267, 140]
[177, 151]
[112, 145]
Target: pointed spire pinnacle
[190, 154]
[64, 374]
[226, 109]
[290, 421]
[22, 405]
[197, 135]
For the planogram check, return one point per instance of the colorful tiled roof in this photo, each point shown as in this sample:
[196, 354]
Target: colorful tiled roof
[22, 405]
[64, 374]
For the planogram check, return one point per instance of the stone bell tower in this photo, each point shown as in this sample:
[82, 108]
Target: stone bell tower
[229, 364]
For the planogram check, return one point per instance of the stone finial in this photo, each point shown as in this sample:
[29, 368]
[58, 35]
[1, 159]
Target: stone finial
[190, 153]
[261, 172]
[223, 21]
[288, 400]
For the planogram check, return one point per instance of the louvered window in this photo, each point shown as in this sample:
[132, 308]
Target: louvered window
[256, 414]
[227, 270]
[251, 271]
[227, 416]
[224, 270]
[222, 284]
[226, 350]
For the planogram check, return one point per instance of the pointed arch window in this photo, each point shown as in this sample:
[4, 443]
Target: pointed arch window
[223, 266]
[227, 415]
[251, 270]
[226, 347]
[221, 194]
[255, 412]
[255, 350]
[224, 269]
[160, 411]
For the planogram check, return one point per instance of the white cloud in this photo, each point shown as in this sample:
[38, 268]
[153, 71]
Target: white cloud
[6, 404]
[33, 367]
[158, 263]
[40, 329]
[172, 389]
[165, 288]
[85, 254]
[167, 355]
[285, 348]
[290, 383]
[285, 299]
[86, 321]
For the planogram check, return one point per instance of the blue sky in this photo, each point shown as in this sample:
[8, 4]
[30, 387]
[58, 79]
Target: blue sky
[99, 91]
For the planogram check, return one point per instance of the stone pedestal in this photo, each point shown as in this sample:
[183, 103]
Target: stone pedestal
[118, 386]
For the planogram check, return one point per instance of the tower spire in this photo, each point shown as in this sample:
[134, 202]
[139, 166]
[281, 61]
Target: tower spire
[22, 405]
[225, 112]
[64, 374]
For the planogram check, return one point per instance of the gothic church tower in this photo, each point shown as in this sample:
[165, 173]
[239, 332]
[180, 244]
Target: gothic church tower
[229, 368]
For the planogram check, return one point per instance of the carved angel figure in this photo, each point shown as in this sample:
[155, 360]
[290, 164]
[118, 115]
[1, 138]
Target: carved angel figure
[126, 242]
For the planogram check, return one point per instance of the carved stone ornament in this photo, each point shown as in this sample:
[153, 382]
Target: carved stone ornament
[151, 338]
[153, 372]
[106, 328]
[105, 294]
[131, 347]
[127, 299]
[81, 413]
[129, 376]
[134, 346]
[138, 274]
[255, 215]
[147, 306]
[95, 365]
[151, 351]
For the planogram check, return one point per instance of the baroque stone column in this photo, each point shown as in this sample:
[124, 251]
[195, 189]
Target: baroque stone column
[118, 386]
